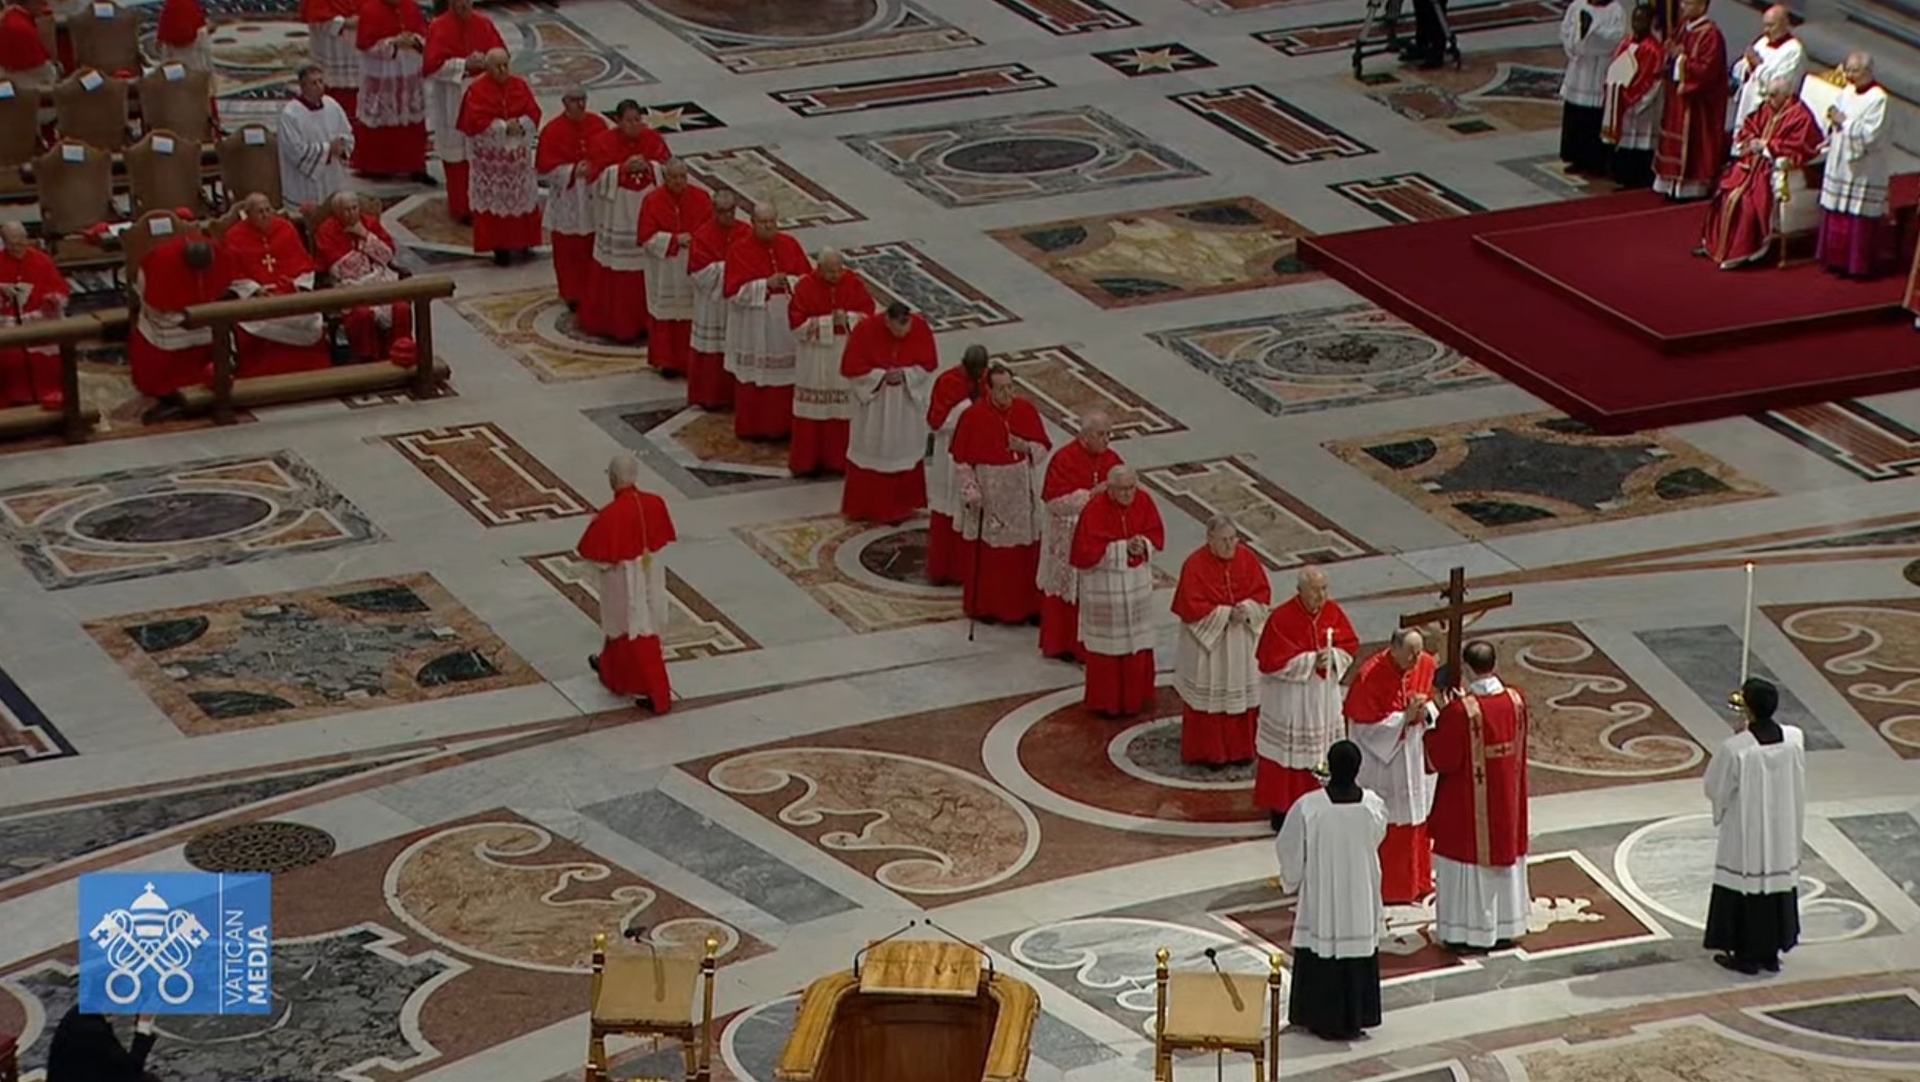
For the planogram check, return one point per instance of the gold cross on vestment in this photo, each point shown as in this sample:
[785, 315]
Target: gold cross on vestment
[266, 260]
[1454, 615]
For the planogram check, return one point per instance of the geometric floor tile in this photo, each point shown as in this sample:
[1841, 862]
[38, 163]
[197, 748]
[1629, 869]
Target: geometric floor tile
[1271, 125]
[1064, 17]
[1519, 474]
[1167, 253]
[1548, 173]
[533, 327]
[759, 175]
[695, 450]
[26, 736]
[1339, 36]
[957, 85]
[1407, 197]
[1063, 385]
[1153, 60]
[257, 661]
[156, 520]
[965, 163]
[1852, 435]
[1280, 529]
[1707, 659]
[1891, 840]
[672, 118]
[1504, 91]
[1322, 358]
[748, 38]
[899, 271]
[1870, 652]
[695, 628]
[491, 477]
[873, 578]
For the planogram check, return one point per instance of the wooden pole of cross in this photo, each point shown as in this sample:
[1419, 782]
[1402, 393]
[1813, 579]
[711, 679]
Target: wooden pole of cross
[1454, 615]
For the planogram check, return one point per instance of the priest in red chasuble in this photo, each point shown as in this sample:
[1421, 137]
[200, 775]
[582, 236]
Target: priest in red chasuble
[1306, 647]
[270, 260]
[501, 120]
[163, 356]
[562, 162]
[1477, 749]
[668, 216]
[31, 289]
[996, 451]
[953, 391]
[1113, 547]
[1780, 136]
[888, 365]
[357, 250]
[709, 384]
[392, 107]
[623, 160]
[623, 543]
[762, 270]
[828, 303]
[1693, 126]
[458, 41]
[1388, 708]
[1221, 602]
[1077, 473]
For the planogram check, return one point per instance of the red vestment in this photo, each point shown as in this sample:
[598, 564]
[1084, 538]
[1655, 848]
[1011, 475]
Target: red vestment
[384, 144]
[952, 390]
[180, 23]
[450, 37]
[1742, 217]
[1693, 121]
[1118, 684]
[709, 384]
[21, 49]
[625, 539]
[1478, 750]
[1380, 689]
[563, 145]
[278, 261]
[819, 444]
[877, 495]
[762, 401]
[1650, 71]
[162, 357]
[1072, 469]
[1207, 583]
[31, 377]
[1290, 632]
[998, 580]
[351, 260]
[616, 302]
[665, 217]
[504, 189]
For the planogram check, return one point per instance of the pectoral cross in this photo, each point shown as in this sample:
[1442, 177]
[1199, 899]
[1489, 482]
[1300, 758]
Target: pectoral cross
[266, 260]
[1454, 615]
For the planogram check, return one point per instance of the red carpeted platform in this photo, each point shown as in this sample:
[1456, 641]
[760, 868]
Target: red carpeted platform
[1599, 307]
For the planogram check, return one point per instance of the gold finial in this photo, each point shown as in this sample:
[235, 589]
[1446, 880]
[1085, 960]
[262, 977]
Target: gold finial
[1273, 964]
[1736, 701]
[600, 941]
[1162, 956]
[713, 945]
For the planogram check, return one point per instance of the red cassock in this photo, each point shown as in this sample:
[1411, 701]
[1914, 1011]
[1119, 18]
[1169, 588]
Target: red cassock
[1291, 631]
[563, 144]
[1693, 120]
[353, 261]
[31, 377]
[325, 11]
[1119, 684]
[1741, 218]
[709, 384]
[1380, 688]
[389, 149]
[876, 495]
[450, 37]
[628, 535]
[998, 581]
[277, 259]
[1206, 583]
[952, 390]
[1480, 795]
[819, 445]
[762, 411]
[1071, 469]
[665, 217]
[505, 190]
[168, 286]
[1650, 71]
[180, 23]
[21, 47]
[616, 303]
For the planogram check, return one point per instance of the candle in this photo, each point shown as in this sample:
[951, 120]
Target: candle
[1746, 628]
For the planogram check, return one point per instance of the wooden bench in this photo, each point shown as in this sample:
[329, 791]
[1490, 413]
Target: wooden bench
[74, 419]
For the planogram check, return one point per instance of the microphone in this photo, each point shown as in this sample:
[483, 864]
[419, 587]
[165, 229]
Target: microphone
[1213, 956]
[638, 933]
[1233, 993]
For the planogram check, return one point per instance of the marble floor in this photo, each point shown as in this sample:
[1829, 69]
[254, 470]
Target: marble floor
[347, 640]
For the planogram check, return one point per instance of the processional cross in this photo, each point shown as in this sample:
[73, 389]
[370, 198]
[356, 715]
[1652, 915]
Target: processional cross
[1454, 614]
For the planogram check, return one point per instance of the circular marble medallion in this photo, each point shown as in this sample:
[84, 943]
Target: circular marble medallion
[269, 846]
[1668, 866]
[1021, 156]
[169, 518]
[1350, 354]
[1150, 751]
[900, 556]
[775, 19]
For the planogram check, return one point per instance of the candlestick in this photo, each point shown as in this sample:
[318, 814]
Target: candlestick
[1746, 628]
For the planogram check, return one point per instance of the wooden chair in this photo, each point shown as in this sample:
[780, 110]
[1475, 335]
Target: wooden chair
[654, 994]
[149, 231]
[1216, 1012]
[163, 170]
[76, 189]
[92, 108]
[106, 36]
[250, 162]
[176, 98]
[19, 134]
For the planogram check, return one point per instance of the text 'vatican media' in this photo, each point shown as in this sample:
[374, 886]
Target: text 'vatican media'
[176, 943]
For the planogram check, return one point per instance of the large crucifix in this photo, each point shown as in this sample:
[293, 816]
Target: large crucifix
[1454, 614]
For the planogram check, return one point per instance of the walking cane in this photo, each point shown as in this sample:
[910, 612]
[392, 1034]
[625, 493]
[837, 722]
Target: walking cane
[971, 592]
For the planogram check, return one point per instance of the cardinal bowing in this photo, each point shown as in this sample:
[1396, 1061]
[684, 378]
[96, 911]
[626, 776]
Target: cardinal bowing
[1388, 709]
[888, 365]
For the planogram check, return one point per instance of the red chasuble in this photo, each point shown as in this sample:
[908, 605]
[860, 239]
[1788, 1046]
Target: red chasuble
[180, 23]
[169, 286]
[1741, 219]
[450, 37]
[1478, 747]
[813, 297]
[1650, 70]
[31, 377]
[1208, 582]
[20, 46]
[274, 258]
[1693, 121]
[633, 528]
[1292, 631]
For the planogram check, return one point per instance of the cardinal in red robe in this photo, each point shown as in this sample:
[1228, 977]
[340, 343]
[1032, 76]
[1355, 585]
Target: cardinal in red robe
[762, 270]
[997, 448]
[357, 250]
[622, 160]
[668, 217]
[624, 542]
[501, 122]
[1113, 547]
[1221, 601]
[181, 35]
[458, 41]
[1306, 647]
[1077, 473]
[333, 32]
[1693, 126]
[1780, 134]
[1477, 749]
[709, 384]
[563, 163]
[392, 107]
[163, 356]
[953, 391]
[888, 365]
[270, 260]
[828, 303]
[24, 59]
[31, 289]
[1387, 711]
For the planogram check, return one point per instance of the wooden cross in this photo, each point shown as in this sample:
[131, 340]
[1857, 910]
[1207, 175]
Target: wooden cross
[1454, 614]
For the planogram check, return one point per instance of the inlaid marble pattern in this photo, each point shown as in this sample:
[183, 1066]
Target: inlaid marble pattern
[1270, 124]
[871, 578]
[1063, 385]
[533, 327]
[1322, 358]
[694, 450]
[488, 474]
[1063, 17]
[1167, 253]
[971, 163]
[1870, 652]
[749, 38]
[1502, 91]
[156, 520]
[1282, 530]
[867, 94]
[1708, 659]
[900, 271]
[1512, 475]
[1548, 173]
[674, 117]
[758, 175]
[272, 659]
[1462, 19]
[26, 736]
[695, 628]
[1153, 60]
[1852, 435]
[1407, 197]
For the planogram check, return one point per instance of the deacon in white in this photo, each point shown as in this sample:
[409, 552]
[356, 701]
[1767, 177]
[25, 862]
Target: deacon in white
[1589, 33]
[1757, 784]
[1776, 54]
[315, 140]
[1328, 859]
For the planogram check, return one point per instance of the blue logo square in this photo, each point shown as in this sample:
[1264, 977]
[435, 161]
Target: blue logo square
[176, 943]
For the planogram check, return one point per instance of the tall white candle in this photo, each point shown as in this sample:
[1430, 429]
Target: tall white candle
[1746, 628]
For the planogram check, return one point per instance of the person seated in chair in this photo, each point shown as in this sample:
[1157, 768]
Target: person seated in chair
[270, 260]
[1778, 137]
[358, 251]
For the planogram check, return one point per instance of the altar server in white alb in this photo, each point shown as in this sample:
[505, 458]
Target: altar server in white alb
[1589, 33]
[1757, 783]
[1853, 194]
[1775, 54]
[316, 140]
[1328, 857]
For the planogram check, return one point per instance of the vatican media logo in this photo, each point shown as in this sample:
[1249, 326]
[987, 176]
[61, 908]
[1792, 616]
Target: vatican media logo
[176, 943]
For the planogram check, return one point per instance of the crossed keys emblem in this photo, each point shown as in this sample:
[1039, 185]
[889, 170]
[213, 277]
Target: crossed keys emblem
[149, 936]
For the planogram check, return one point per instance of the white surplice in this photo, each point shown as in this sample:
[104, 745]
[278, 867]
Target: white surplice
[889, 429]
[1759, 797]
[819, 390]
[761, 349]
[709, 333]
[633, 598]
[1859, 166]
[569, 198]
[1393, 762]
[1010, 509]
[305, 137]
[1057, 577]
[1330, 856]
[391, 94]
[1589, 54]
[1481, 904]
[502, 180]
[669, 289]
[333, 44]
[1213, 664]
[1782, 61]
[1300, 711]
[1116, 602]
[616, 218]
[446, 88]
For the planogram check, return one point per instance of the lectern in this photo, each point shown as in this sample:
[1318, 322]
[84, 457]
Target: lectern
[927, 1011]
